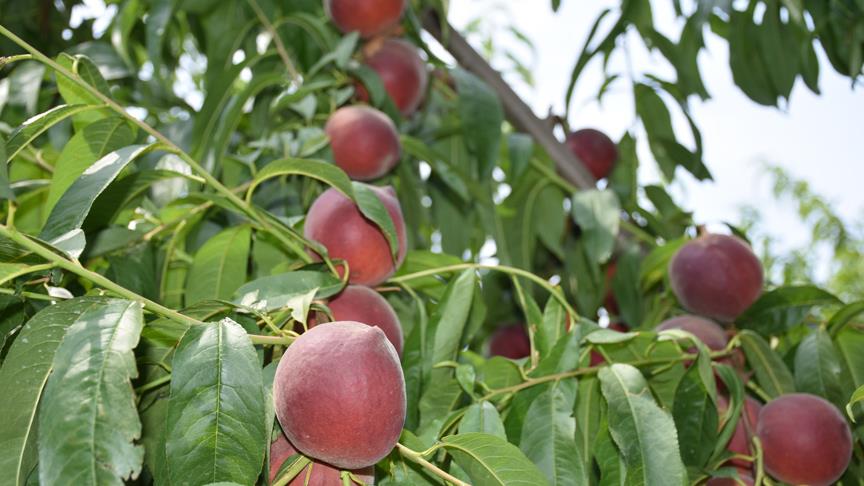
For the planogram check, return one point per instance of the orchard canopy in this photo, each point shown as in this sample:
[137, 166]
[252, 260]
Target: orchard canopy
[259, 242]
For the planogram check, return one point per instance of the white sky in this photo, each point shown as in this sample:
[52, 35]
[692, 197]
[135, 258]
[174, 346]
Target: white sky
[815, 138]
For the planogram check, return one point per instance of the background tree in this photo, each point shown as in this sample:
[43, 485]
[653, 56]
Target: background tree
[181, 219]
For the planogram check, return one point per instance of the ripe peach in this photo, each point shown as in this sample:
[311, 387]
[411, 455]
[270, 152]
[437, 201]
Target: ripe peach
[362, 304]
[364, 141]
[716, 276]
[317, 473]
[595, 149]
[402, 72]
[339, 393]
[510, 341]
[369, 17]
[337, 223]
[744, 429]
[705, 330]
[805, 440]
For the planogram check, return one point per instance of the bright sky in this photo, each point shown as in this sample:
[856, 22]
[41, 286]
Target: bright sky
[818, 138]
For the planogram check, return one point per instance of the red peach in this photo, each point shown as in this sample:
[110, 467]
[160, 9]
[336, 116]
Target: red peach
[337, 223]
[711, 334]
[511, 342]
[315, 474]
[743, 475]
[402, 72]
[339, 394]
[716, 276]
[362, 304]
[369, 17]
[596, 150]
[805, 440]
[364, 141]
[744, 429]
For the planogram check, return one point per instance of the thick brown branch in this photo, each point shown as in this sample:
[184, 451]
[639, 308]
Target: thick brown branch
[518, 113]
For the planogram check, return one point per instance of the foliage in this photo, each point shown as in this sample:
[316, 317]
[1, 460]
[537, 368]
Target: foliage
[154, 179]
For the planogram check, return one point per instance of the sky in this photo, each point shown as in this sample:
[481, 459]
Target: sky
[818, 138]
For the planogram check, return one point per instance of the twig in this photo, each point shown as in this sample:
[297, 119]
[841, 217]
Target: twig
[280, 47]
[417, 458]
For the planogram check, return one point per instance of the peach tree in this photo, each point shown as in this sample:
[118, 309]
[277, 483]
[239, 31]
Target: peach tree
[286, 242]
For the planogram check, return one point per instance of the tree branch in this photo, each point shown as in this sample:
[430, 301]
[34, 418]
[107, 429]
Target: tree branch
[517, 111]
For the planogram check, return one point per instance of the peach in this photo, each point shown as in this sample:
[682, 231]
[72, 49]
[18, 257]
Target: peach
[596, 150]
[362, 304]
[705, 330]
[364, 141]
[510, 341]
[716, 276]
[402, 72]
[805, 440]
[337, 223]
[369, 17]
[339, 394]
[315, 474]
[744, 429]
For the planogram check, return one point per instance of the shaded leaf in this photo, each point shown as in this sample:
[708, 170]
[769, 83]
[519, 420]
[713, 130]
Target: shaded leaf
[644, 433]
[216, 412]
[26, 369]
[771, 372]
[219, 267]
[598, 215]
[490, 460]
[32, 128]
[88, 423]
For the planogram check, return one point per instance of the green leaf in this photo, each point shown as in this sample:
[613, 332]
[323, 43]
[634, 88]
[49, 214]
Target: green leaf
[481, 116]
[695, 415]
[818, 369]
[552, 327]
[856, 397]
[780, 309]
[73, 93]
[216, 413]
[490, 460]
[88, 423]
[25, 370]
[598, 215]
[5, 189]
[448, 321]
[374, 210]
[276, 291]
[850, 344]
[37, 125]
[74, 205]
[83, 149]
[771, 372]
[644, 433]
[548, 437]
[482, 417]
[587, 411]
[219, 267]
[844, 315]
[317, 169]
